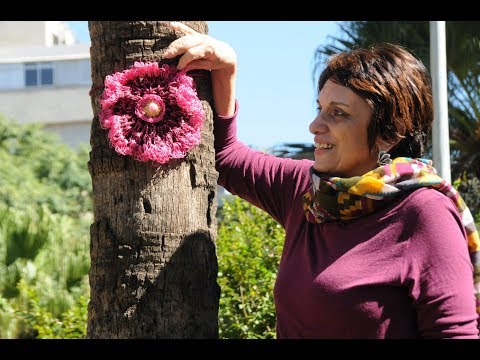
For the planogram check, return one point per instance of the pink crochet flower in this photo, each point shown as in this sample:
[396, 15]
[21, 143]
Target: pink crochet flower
[151, 113]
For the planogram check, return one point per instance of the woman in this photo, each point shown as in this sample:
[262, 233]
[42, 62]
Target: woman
[375, 245]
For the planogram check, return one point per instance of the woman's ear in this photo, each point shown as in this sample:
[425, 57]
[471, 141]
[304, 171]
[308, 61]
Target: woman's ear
[383, 145]
[380, 152]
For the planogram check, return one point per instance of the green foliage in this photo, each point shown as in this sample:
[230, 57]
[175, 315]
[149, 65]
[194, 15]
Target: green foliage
[413, 35]
[23, 234]
[249, 245]
[469, 188]
[45, 212]
[31, 319]
[464, 115]
[71, 324]
[38, 170]
[42, 291]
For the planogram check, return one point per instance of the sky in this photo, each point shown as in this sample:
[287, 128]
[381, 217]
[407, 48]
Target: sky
[275, 88]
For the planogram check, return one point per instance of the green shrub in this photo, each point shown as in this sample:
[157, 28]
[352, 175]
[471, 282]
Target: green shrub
[469, 188]
[71, 324]
[249, 245]
[44, 263]
[38, 170]
[45, 213]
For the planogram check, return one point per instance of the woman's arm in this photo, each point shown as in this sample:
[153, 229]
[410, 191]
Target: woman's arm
[437, 268]
[266, 181]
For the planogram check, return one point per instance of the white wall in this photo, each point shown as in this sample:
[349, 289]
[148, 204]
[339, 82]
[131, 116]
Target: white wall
[12, 76]
[72, 72]
[47, 105]
[21, 33]
[73, 133]
[61, 30]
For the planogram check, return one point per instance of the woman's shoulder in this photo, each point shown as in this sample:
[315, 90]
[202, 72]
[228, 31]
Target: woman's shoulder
[426, 203]
[426, 194]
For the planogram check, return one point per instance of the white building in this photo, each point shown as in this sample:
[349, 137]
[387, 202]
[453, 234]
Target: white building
[45, 77]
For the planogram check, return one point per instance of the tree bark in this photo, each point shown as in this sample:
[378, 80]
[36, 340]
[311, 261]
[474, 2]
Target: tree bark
[153, 257]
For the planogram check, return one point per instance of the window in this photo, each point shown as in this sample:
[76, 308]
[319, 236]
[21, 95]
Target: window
[38, 74]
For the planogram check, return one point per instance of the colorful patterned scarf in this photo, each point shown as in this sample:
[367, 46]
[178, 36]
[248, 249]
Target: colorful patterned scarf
[343, 199]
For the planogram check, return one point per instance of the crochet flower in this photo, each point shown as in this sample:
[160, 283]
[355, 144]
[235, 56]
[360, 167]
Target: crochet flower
[151, 113]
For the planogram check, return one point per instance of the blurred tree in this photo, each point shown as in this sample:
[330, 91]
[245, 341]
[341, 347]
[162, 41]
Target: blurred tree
[293, 150]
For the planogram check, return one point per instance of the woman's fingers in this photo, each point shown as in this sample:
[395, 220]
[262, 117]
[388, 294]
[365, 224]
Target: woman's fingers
[199, 51]
[200, 64]
[187, 30]
[182, 44]
[189, 39]
[193, 54]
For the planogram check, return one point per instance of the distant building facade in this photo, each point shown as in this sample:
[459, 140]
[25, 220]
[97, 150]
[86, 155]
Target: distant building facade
[45, 77]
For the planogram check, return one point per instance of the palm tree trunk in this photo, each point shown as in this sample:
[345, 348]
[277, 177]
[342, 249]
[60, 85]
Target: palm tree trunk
[153, 260]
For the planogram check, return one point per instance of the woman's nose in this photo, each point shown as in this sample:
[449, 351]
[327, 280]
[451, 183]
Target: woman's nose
[318, 125]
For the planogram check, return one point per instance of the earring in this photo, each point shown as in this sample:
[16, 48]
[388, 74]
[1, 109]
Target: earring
[383, 158]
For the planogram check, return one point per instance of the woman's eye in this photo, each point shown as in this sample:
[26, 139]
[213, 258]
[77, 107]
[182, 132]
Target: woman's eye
[334, 113]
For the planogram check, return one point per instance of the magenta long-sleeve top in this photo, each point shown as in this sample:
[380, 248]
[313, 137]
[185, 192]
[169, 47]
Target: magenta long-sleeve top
[402, 272]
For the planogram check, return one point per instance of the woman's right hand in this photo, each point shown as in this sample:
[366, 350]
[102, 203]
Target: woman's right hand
[202, 51]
